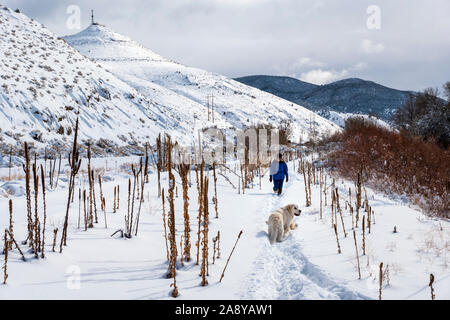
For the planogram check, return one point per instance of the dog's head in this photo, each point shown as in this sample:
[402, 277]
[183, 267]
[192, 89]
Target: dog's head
[293, 208]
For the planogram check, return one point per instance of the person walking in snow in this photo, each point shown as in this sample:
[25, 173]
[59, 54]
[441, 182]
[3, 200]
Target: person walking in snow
[278, 171]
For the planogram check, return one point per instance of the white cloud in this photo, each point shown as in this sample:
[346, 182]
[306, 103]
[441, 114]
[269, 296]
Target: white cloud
[319, 76]
[370, 47]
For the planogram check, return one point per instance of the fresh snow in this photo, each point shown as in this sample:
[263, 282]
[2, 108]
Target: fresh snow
[304, 266]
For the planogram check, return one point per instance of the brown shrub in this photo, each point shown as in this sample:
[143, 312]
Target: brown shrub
[394, 162]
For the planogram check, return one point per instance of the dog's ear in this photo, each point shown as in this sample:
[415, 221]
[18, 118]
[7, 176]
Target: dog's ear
[289, 208]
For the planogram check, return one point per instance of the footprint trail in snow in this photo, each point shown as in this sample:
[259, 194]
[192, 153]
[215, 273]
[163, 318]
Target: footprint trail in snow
[281, 271]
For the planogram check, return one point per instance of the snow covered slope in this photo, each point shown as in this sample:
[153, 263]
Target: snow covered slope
[339, 118]
[44, 83]
[235, 104]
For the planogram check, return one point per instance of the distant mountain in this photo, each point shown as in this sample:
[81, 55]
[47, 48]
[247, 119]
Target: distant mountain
[346, 96]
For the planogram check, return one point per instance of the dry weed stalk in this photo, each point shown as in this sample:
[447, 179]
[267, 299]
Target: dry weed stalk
[74, 163]
[86, 218]
[183, 170]
[357, 255]
[146, 162]
[165, 224]
[141, 200]
[340, 212]
[204, 266]
[228, 260]
[55, 233]
[215, 191]
[36, 214]
[433, 296]
[12, 240]
[45, 211]
[115, 197]
[364, 235]
[102, 207]
[118, 197]
[10, 205]
[358, 197]
[337, 238]
[26, 169]
[218, 245]
[93, 195]
[200, 208]
[159, 162]
[5, 265]
[171, 222]
[381, 282]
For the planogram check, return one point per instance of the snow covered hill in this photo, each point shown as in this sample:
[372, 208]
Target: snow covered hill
[347, 96]
[339, 118]
[235, 104]
[45, 83]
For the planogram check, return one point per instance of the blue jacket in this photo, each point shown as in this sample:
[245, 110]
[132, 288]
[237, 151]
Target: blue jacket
[282, 170]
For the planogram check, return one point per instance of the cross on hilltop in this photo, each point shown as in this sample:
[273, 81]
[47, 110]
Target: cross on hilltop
[92, 18]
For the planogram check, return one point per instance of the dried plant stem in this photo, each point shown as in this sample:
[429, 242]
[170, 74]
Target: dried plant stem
[11, 237]
[204, 266]
[45, 211]
[200, 209]
[337, 238]
[364, 235]
[26, 168]
[381, 281]
[5, 265]
[36, 216]
[228, 260]
[10, 205]
[75, 164]
[171, 223]
[433, 296]
[215, 191]
[165, 224]
[183, 170]
[357, 255]
[55, 233]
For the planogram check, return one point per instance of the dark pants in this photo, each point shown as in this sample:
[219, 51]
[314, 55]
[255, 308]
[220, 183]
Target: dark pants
[278, 185]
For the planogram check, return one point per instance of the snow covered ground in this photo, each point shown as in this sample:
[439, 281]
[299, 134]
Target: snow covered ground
[339, 118]
[304, 266]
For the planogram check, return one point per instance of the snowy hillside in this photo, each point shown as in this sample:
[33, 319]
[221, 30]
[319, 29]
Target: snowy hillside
[45, 83]
[339, 118]
[346, 96]
[235, 104]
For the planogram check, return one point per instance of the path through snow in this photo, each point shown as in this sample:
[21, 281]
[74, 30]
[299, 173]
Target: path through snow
[282, 271]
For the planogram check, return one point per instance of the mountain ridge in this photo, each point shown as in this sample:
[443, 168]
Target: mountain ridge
[351, 95]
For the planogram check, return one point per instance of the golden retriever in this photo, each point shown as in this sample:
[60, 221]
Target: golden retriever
[281, 222]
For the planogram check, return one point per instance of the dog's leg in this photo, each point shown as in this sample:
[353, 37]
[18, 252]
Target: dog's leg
[293, 226]
[281, 235]
[272, 234]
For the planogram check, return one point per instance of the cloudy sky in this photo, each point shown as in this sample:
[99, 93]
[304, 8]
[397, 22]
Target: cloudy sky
[403, 44]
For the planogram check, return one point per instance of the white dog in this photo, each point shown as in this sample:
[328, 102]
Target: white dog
[281, 222]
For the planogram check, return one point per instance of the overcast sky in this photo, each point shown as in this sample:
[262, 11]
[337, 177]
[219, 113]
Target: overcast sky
[403, 44]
